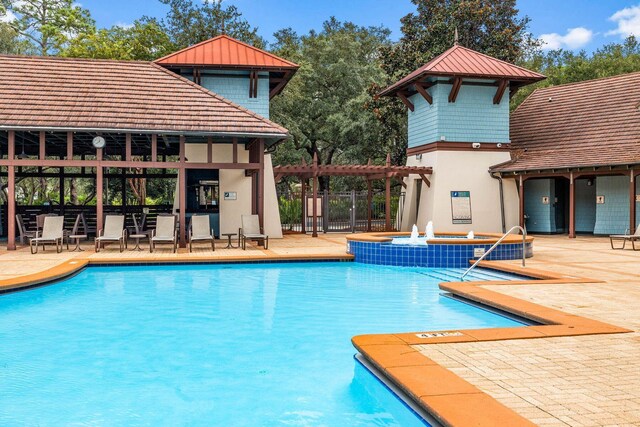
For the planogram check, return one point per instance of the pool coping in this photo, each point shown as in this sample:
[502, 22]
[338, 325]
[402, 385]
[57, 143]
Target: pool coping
[75, 265]
[451, 400]
[488, 238]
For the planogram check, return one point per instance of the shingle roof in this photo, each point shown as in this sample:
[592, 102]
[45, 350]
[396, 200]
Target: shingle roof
[590, 123]
[464, 62]
[60, 93]
[225, 51]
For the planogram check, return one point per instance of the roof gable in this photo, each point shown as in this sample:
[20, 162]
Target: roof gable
[460, 61]
[61, 93]
[225, 51]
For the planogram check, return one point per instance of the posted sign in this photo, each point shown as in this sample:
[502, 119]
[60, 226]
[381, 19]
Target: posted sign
[461, 207]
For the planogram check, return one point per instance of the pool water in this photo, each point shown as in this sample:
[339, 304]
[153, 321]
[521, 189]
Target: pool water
[215, 345]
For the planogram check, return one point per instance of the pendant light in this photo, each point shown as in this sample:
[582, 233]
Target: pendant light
[22, 155]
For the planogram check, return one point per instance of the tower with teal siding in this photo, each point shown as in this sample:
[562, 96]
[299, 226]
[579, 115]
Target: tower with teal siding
[458, 124]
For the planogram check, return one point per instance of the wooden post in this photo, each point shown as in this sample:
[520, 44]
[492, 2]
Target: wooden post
[61, 187]
[99, 189]
[69, 145]
[572, 207]
[369, 202]
[632, 201]
[261, 182]
[154, 148]
[303, 196]
[235, 150]
[387, 198]
[11, 208]
[521, 194]
[43, 149]
[182, 195]
[127, 148]
[314, 207]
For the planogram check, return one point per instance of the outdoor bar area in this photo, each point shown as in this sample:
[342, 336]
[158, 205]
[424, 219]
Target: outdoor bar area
[116, 120]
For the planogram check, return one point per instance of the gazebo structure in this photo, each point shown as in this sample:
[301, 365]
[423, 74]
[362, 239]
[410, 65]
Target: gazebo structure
[83, 118]
[369, 172]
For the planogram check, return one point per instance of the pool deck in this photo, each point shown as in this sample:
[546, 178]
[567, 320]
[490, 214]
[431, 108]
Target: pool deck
[560, 378]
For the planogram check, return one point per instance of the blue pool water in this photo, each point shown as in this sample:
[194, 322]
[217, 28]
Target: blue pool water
[215, 345]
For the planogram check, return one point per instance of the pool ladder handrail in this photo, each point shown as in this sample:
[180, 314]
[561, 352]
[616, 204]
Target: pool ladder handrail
[495, 245]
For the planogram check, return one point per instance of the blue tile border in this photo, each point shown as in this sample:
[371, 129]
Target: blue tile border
[431, 256]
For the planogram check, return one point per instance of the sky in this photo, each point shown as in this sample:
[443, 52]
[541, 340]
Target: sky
[568, 24]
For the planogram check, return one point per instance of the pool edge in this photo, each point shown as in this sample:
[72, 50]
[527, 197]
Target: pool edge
[443, 394]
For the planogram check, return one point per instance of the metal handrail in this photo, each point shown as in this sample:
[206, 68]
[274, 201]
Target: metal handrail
[495, 245]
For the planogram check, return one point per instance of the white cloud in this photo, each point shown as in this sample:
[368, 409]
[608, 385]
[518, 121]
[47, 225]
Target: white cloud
[628, 20]
[8, 17]
[573, 39]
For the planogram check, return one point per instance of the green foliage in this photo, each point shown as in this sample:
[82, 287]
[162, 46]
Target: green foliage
[561, 66]
[47, 24]
[145, 40]
[324, 104]
[290, 211]
[189, 22]
[11, 43]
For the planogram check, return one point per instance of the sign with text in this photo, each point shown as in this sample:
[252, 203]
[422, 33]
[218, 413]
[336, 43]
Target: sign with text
[318, 207]
[230, 195]
[600, 200]
[461, 207]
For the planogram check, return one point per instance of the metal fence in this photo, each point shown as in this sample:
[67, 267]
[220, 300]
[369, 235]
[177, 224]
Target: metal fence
[345, 212]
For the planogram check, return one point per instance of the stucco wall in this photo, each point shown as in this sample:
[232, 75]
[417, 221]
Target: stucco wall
[236, 181]
[463, 171]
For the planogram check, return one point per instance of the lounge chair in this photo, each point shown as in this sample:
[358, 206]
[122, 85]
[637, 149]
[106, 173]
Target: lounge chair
[200, 231]
[251, 231]
[626, 237]
[25, 235]
[165, 232]
[113, 231]
[52, 232]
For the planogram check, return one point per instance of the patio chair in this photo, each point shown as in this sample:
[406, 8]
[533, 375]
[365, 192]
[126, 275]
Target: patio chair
[626, 238]
[25, 235]
[251, 231]
[165, 232]
[113, 231]
[52, 232]
[200, 231]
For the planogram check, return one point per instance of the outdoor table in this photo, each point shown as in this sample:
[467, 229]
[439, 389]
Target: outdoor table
[137, 237]
[76, 238]
[229, 236]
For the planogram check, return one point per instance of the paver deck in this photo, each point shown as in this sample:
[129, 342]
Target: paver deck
[566, 381]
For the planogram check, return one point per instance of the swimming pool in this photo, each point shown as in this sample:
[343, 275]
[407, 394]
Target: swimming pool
[227, 345]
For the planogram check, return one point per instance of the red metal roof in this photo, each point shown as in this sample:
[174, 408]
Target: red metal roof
[225, 51]
[64, 93]
[463, 62]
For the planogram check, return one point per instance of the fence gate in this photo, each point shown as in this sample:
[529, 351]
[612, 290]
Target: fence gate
[343, 212]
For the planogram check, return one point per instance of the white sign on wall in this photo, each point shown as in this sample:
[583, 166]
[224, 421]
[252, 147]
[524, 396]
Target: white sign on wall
[600, 200]
[461, 207]
[230, 195]
[545, 200]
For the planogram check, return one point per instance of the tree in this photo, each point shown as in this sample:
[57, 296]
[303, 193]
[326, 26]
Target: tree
[561, 66]
[324, 104]
[145, 40]
[11, 43]
[47, 24]
[188, 23]
[488, 26]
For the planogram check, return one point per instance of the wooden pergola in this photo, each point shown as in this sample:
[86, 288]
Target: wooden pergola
[369, 171]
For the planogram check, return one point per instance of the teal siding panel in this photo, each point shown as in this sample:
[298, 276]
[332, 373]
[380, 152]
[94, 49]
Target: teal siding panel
[612, 217]
[585, 206]
[541, 217]
[473, 117]
[422, 124]
[236, 89]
